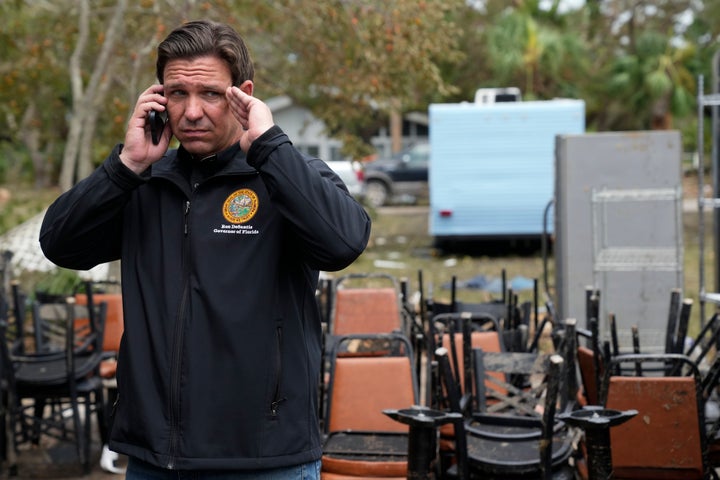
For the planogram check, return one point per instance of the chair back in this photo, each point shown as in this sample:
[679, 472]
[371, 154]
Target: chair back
[361, 387]
[366, 304]
[667, 437]
[64, 330]
[507, 444]
[586, 363]
[523, 389]
[113, 323]
[63, 373]
[458, 334]
[366, 310]
[49, 326]
[52, 321]
[15, 330]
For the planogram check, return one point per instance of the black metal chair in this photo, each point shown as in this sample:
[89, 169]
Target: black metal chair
[523, 442]
[48, 389]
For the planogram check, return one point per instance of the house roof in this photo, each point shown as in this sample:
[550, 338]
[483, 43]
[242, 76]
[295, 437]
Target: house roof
[278, 103]
[24, 243]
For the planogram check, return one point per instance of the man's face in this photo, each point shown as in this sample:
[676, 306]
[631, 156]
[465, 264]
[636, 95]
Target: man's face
[198, 111]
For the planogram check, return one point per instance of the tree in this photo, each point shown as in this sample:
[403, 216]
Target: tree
[70, 85]
[644, 76]
[533, 48]
[355, 63]
[87, 97]
[653, 82]
[34, 86]
[108, 65]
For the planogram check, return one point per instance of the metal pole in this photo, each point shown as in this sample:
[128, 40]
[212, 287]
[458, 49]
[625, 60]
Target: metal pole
[422, 438]
[715, 169]
[596, 422]
[701, 210]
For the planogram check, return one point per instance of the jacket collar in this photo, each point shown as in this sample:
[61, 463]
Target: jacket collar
[179, 162]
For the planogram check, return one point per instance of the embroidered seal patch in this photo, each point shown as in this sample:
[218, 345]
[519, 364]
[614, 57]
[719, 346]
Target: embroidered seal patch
[240, 206]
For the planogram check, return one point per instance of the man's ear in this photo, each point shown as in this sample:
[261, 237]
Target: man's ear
[247, 87]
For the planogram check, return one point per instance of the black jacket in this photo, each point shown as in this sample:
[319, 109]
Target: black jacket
[220, 358]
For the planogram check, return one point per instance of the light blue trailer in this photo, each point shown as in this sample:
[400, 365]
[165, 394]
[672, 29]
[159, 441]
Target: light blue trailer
[492, 167]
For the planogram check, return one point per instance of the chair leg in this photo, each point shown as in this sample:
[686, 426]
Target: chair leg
[87, 434]
[78, 428]
[102, 416]
[38, 412]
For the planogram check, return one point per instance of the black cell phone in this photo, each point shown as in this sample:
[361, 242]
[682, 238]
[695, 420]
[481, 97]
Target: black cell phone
[156, 120]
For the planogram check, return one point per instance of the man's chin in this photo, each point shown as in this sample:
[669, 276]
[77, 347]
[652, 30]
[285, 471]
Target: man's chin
[198, 148]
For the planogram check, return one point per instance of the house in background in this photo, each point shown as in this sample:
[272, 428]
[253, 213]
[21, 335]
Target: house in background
[308, 132]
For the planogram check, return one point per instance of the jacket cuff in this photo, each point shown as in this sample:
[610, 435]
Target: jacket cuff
[264, 145]
[120, 174]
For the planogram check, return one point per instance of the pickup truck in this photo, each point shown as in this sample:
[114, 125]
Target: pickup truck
[402, 178]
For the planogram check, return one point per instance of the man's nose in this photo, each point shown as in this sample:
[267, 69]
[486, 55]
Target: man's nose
[193, 109]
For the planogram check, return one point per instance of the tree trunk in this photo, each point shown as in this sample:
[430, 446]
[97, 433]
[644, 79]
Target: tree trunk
[87, 100]
[67, 170]
[660, 116]
[395, 130]
[30, 136]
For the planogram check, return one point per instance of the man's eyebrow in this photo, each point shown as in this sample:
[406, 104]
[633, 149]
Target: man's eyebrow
[203, 86]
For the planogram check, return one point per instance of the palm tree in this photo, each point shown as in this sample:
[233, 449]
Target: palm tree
[652, 83]
[534, 48]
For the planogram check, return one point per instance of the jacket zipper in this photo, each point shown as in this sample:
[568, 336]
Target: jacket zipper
[175, 371]
[185, 217]
[275, 404]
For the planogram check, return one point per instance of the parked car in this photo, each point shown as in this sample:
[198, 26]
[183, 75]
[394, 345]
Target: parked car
[402, 178]
[351, 173]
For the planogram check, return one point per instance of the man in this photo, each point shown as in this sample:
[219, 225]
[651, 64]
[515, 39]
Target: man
[221, 242]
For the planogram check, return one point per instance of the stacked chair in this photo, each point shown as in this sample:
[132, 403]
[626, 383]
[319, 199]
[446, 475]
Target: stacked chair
[360, 440]
[55, 375]
[107, 292]
[370, 365]
[485, 365]
[669, 391]
[510, 428]
[667, 438]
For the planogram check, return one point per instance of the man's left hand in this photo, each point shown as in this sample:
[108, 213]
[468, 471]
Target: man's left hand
[253, 114]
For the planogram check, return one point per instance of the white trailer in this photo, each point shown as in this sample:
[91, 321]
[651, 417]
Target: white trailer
[491, 170]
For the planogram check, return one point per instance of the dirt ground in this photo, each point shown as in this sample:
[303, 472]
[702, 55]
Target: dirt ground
[55, 460]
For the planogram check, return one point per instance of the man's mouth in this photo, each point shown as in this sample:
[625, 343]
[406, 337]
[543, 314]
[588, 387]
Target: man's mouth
[194, 133]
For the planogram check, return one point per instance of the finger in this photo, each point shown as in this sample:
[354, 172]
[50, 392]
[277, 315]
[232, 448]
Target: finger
[152, 99]
[240, 95]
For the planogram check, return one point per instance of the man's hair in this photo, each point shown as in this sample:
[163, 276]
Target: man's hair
[206, 38]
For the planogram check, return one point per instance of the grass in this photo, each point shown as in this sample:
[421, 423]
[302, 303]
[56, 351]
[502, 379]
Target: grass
[401, 246]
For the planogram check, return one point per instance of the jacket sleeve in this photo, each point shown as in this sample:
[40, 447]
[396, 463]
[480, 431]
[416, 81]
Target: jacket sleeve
[83, 226]
[332, 226]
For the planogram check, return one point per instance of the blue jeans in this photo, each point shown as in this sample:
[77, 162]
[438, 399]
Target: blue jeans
[139, 470]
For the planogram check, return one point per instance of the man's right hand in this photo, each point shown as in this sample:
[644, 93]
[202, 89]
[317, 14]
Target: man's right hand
[139, 152]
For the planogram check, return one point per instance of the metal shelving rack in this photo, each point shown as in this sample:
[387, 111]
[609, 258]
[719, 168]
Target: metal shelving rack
[635, 258]
[609, 257]
[703, 100]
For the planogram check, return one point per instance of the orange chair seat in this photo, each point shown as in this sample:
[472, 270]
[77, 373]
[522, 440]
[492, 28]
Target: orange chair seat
[356, 468]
